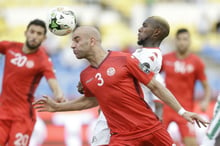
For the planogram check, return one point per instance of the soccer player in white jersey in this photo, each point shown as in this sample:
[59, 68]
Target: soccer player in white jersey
[150, 36]
[212, 137]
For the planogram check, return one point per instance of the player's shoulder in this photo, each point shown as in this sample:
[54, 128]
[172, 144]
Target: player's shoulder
[118, 57]
[169, 55]
[11, 44]
[85, 72]
[119, 53]
[42, 52]
[195, 58]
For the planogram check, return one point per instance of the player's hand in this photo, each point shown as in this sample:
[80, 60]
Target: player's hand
[204, 105]
[80, 88]
[45, 104]
[193, 117]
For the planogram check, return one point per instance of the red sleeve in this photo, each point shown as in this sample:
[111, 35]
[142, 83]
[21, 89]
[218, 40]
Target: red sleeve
[3, 46]
[139, 71]
[48, 71]
[162, 66]
[200, 70]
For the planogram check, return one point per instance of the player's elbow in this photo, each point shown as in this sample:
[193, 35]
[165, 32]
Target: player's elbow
[153, 85]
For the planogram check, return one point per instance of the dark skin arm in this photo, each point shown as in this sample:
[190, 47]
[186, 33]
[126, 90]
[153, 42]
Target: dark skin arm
[207, 96]
[167, 97]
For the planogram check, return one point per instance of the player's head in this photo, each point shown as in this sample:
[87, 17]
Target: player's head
[35, 33]
[84, 40]
[154, 30]
[182, 40]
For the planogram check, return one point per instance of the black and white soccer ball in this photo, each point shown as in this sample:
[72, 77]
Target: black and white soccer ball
[61, 21]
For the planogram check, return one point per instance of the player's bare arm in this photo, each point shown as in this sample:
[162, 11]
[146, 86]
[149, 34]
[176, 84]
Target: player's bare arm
[166, 96]
[48, 104]
[207, 96]
[59, 97]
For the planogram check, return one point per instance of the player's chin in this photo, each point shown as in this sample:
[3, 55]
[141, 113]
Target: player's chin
[140, 42]
[33, 46]
[78, 56]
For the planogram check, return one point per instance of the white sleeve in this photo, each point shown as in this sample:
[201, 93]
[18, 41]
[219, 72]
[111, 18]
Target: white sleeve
[151, 56]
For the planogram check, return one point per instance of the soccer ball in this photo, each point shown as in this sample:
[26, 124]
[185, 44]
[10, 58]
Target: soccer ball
[61, 21]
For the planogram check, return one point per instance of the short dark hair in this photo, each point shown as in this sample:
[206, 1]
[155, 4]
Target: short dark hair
[39, 23]
[181, 30]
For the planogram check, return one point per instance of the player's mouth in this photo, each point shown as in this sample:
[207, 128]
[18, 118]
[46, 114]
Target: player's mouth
[32, 42]
[75, 52]
[139, 36]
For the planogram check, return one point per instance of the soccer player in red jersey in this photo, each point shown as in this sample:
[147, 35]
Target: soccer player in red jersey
[112, 81]
[25, 65]
[182, 69]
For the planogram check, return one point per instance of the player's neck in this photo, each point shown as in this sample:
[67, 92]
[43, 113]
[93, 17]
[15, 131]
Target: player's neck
[98, 57]
[182, 55]
[151, 44]
[27, 50]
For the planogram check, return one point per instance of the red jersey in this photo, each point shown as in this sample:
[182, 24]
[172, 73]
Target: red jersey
[181, 75]
[22, 74]
[115, 85]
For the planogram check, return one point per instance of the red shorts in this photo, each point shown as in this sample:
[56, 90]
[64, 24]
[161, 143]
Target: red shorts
[158, 138]
[14, 132]
[186, 129]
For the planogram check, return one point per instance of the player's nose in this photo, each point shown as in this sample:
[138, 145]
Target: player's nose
[140, 29]
[73, 45]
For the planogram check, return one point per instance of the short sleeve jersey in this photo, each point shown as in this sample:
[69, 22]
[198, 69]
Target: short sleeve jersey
[115, 85]
[22, 74]
[181, 75]
[153, 57]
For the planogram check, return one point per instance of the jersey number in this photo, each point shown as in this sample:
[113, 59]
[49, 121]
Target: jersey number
[100, 79]
[19, 60]
[21, 139]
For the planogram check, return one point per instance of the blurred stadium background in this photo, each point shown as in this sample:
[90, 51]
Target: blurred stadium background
[118, 21]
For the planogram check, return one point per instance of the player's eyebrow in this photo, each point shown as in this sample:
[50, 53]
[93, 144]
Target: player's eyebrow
[76, 37]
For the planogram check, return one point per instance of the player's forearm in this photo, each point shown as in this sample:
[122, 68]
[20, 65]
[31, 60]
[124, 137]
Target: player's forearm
[57, 92]
[207, 91]
[77, 104]
[164, 94]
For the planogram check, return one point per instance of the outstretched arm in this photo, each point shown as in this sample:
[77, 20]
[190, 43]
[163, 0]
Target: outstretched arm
[207, 96]
[48, 104]
[57, 92]
[166, 96]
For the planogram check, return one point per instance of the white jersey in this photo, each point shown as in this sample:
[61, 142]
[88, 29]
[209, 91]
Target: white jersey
[211, 138]
[151, 57]
[101, 132]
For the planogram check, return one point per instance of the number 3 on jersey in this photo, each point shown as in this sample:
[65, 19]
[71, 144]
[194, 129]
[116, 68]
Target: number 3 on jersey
[100, 79]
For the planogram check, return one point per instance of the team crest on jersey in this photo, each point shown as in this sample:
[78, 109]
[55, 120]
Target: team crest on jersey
[110, 71]
[30, 64]
[145, 67]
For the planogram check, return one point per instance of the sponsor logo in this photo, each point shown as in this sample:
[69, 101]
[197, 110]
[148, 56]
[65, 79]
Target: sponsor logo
[89, 80]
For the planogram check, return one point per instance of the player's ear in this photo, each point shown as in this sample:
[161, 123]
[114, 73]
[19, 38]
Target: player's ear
[156, 33]
[92, 41]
